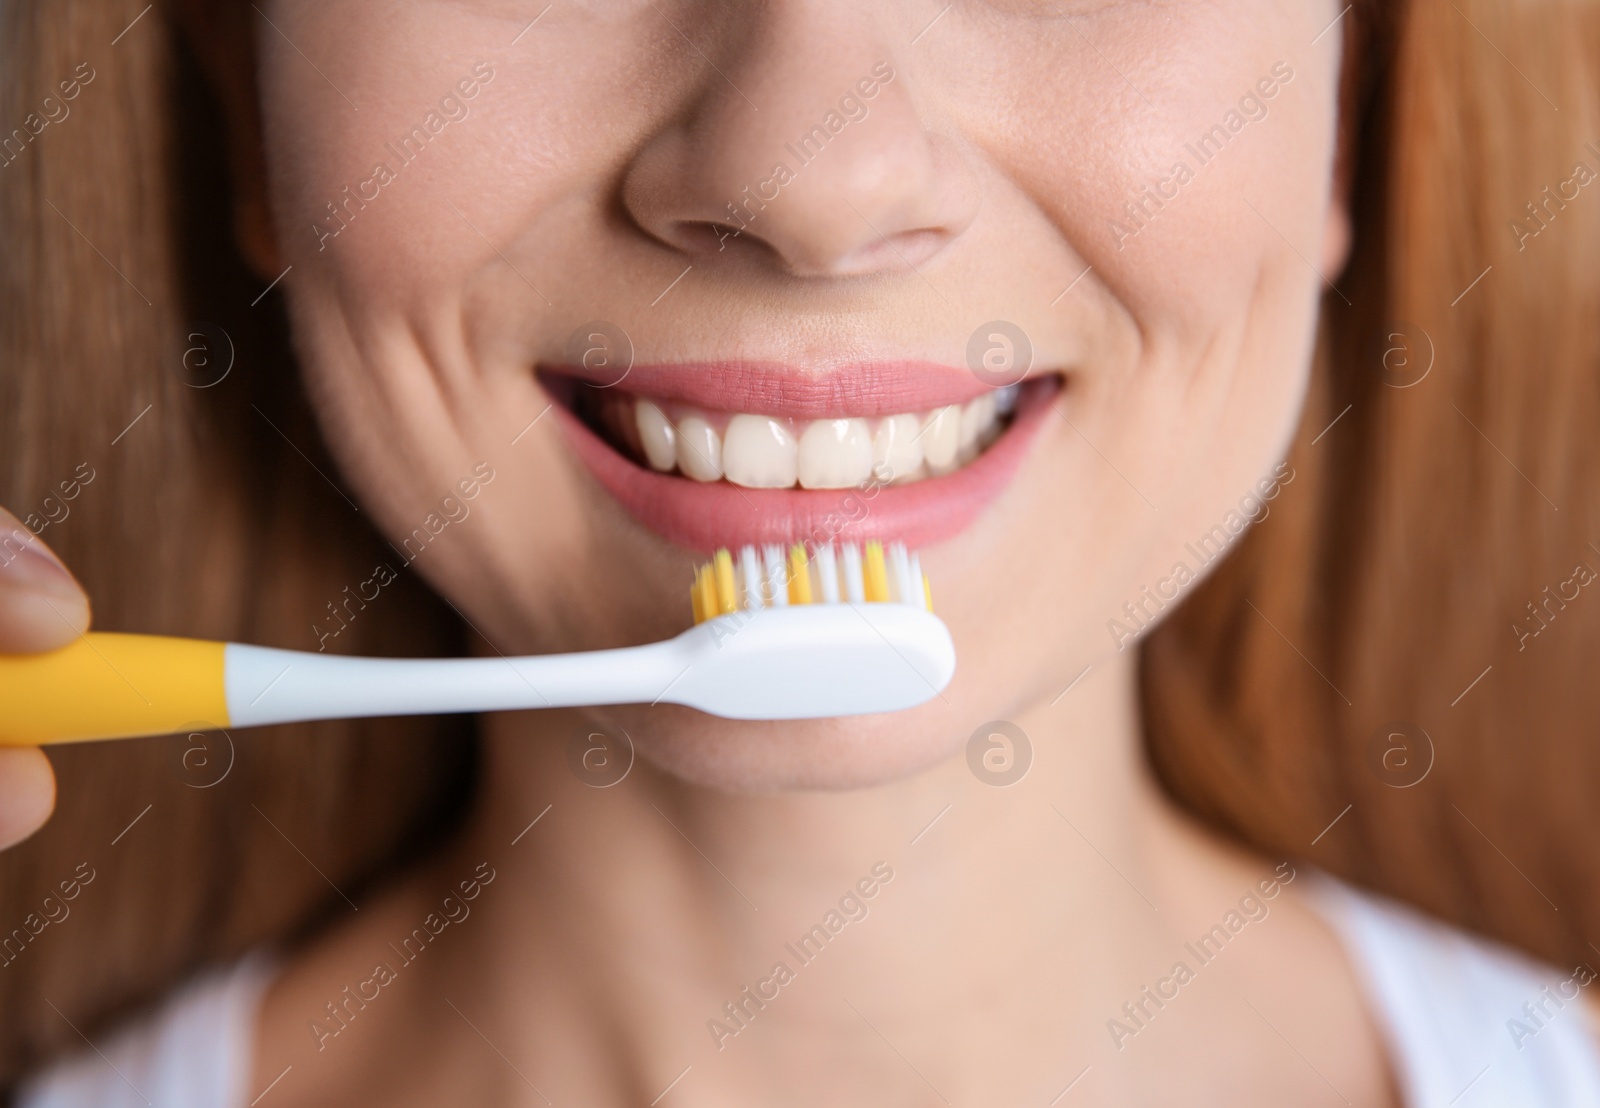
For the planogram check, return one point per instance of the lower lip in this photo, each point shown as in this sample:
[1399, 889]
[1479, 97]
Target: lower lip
[709, 516]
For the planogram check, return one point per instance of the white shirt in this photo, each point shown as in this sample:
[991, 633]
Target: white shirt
[1468, 1023]
[194, 1052]
[1451, 1007]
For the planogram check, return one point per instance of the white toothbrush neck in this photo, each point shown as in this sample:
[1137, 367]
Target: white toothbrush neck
[795, 662]
[282, 686]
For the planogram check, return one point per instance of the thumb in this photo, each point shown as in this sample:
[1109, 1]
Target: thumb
[42, 606]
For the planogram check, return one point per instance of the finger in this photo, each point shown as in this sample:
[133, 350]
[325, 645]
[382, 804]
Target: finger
[27, 793]
[42, 606]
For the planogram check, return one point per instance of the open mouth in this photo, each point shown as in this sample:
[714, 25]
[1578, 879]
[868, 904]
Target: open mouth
[726, 455]
[757, 451]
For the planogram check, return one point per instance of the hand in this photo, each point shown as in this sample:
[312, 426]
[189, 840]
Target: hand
[42, 607]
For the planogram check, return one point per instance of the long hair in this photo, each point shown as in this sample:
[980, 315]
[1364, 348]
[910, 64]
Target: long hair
[154, 433]
[1383, 588]
[1394, 674]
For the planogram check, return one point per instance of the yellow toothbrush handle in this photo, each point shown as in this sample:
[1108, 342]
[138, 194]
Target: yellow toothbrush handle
[111, 686]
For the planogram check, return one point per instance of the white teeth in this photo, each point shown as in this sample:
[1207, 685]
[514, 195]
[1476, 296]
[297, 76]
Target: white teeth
[976, 419]
[758, 452]
[941, 438]
[699, 449]
[835, 454]
[896, 450]
[769, 452]
[656, 435]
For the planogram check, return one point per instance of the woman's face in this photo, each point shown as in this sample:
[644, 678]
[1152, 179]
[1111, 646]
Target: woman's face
[806, 225]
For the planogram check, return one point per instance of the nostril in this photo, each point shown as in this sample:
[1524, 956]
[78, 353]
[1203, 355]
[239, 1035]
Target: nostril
[906, 250]
[695, 236]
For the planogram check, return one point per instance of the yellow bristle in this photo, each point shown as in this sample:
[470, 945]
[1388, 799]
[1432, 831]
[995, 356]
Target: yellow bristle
[727, 593]
[927, 592]
[705, 594]
[874, 577]
[713, 601]
[799, 576]
[694, 599]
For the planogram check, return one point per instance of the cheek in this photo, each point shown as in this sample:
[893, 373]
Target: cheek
[384, 211]
[387, 180]
[1209, 266]
[1131, 138]
[1205, 224]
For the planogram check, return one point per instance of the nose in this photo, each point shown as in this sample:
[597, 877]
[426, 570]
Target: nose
[803, 145]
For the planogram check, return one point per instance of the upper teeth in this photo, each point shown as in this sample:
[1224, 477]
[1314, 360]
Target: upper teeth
[769, 452]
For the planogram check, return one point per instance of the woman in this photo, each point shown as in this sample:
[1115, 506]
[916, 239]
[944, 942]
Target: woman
[1251, 263]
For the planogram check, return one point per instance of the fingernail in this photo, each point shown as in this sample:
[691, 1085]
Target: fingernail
[26, 563]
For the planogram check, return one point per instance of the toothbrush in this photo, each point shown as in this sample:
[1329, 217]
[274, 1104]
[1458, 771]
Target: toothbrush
[777, 635]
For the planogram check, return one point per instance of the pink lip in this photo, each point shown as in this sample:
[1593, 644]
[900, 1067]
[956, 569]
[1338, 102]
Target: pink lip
[874, 389]
[707, 517]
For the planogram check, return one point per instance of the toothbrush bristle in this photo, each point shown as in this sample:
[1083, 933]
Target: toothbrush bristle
[697, 598]
[799, 575]
[759, 577]
[827, 573]
[727, 589]
[875, 575]
[772, 568]
[750, 579]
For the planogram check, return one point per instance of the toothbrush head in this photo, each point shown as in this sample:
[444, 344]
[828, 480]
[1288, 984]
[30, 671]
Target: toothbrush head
[813, 634]
[768, 578]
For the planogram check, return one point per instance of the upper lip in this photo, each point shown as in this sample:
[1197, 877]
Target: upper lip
[866, 389]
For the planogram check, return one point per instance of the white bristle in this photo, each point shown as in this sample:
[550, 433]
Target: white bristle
[854, 587]
[827, 568]
[900, 575]
[751, 575]
[917, 596]
[777, 576]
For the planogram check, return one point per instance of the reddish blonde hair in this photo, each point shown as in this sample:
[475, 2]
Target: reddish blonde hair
[1389, 582]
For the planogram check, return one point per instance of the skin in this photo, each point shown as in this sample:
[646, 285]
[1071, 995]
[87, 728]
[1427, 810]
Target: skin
[980, 186]
[42, 607]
